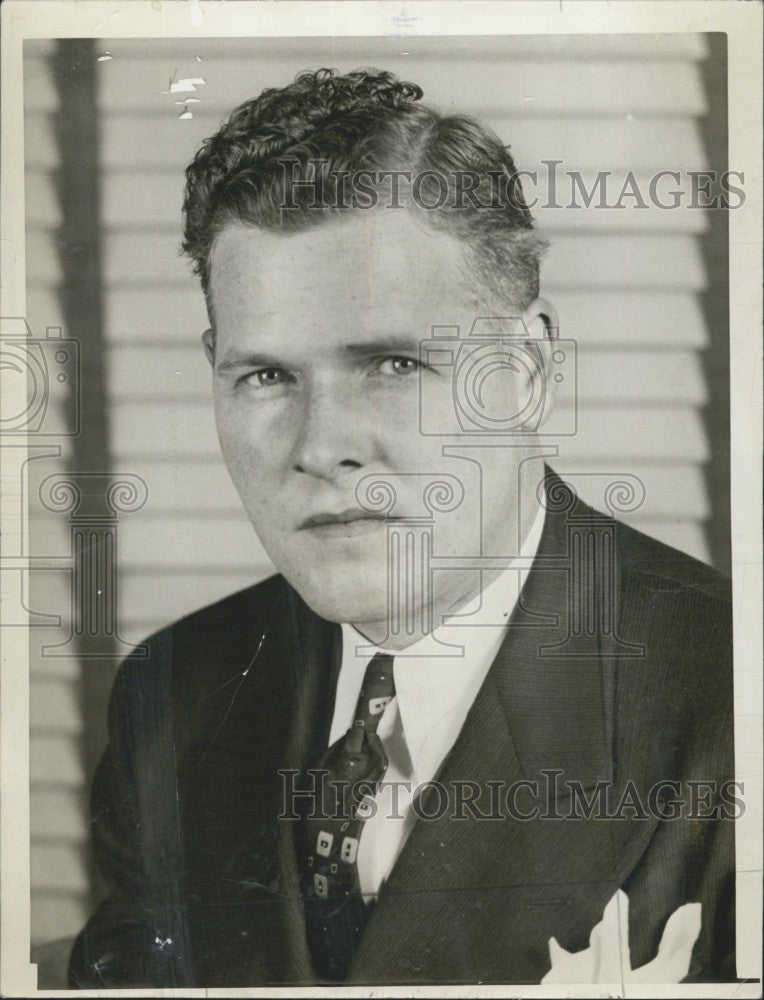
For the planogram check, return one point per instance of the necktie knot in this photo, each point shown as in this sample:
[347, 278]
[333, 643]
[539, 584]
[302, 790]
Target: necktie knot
[377, 691]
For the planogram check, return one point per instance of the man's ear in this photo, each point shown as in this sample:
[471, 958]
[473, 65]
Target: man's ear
[540, 319]
[208, 339]
[542, 329]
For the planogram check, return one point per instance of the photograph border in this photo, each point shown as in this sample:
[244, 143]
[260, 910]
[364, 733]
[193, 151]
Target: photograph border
[22, 19]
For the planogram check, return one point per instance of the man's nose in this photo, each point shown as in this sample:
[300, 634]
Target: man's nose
[334, 436]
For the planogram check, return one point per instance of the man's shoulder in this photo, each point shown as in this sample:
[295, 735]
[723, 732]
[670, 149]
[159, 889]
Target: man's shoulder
[661, 569]
[177, 674]
[244, 611]
[216, 638]
[679, 610]
[664, 599]
[643, 561]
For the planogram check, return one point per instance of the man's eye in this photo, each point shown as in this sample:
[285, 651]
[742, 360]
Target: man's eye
[399, 366]
[265, 378]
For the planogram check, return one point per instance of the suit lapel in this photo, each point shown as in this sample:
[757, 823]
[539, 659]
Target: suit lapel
[310, 653]
[557, 695]
[422, 927]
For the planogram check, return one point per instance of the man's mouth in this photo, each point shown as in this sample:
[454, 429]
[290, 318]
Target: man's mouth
[342, 523]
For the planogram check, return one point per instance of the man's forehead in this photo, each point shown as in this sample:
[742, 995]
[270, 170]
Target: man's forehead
[359, 241]
[380, 263]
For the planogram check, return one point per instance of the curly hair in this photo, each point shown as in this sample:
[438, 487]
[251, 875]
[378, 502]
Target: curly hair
[282, 159]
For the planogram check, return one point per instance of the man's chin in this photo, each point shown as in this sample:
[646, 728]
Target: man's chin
[352, 607]
[344, 601]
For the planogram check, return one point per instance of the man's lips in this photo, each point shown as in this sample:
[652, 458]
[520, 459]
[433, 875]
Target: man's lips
[344, 517]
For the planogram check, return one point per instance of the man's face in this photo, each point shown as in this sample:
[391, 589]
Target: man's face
[317, 385]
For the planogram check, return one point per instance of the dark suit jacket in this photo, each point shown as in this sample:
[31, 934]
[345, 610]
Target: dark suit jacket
[636, 687]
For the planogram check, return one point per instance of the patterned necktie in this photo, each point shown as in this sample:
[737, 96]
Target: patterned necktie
[335, 912]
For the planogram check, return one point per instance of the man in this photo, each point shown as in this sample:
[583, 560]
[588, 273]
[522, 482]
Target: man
[471, 716]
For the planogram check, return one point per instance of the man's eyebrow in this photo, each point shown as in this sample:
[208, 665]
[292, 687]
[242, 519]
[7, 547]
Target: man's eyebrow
[245, 359]
[388, 344]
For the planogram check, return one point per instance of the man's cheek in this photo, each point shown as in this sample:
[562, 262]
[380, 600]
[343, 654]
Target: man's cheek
[255, 487]
[243, 455]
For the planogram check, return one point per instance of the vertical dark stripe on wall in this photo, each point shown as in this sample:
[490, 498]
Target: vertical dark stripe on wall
[80, 250]
[715, 304]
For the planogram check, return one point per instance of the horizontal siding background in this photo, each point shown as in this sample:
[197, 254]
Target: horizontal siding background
[631, 288]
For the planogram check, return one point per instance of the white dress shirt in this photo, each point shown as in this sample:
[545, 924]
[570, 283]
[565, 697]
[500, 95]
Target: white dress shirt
[432, 698]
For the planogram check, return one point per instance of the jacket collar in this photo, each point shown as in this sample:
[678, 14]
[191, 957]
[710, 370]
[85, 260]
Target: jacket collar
[552, 682]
